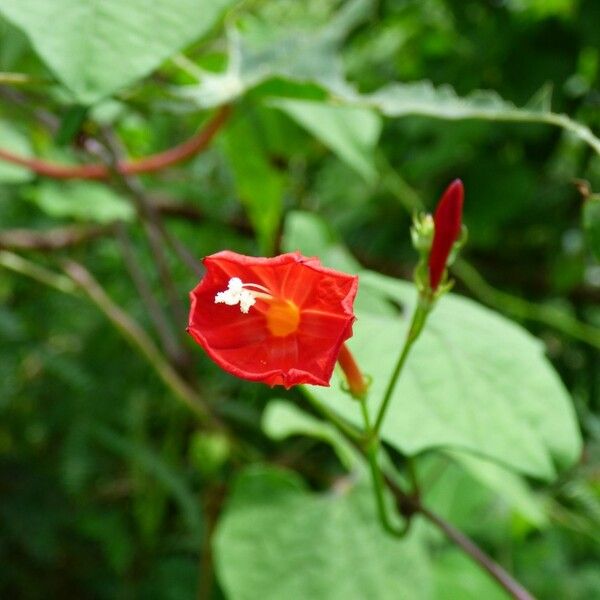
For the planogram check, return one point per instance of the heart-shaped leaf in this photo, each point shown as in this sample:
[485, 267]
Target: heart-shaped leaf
[473, 381]
[277, 540]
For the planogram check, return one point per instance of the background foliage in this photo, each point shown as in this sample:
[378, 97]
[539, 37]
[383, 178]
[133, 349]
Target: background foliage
[346, 118]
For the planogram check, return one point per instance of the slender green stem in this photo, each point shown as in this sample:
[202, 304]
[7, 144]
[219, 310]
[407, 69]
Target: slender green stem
[394, 183]
[347, 429]
[378, 487]
[19, 79]
[416, 326]
[523, 309]
[366, 418]
[21, 265]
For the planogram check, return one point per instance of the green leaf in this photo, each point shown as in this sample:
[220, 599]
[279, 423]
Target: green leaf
[96, 48]
[508, 485]
[442, 102]
[295, 50]
[351, 133]
[259, 186]
[277, 540]
[457, 577]
[82, 200]
[473, 381]
[13, 140]
[260, 51]
[591, 224]
[282, 419]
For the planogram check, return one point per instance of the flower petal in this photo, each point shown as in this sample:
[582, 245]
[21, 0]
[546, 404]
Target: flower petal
[243, 345]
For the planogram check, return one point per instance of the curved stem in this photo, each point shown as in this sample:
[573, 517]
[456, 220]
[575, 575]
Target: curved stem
[378, 487]
[372, 453]
[149, 164]
[523, 309]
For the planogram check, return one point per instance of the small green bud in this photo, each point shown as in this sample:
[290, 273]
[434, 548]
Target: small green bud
[422, 232]
[208, 452]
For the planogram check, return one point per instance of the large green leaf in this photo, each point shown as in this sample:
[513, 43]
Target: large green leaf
[473, 381]
[507, 485]
[260, 50]
[458, 577]
[97, 47]
[295, 49]
[277, 540]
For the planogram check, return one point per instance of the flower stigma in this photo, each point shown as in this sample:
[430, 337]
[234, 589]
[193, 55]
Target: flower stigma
[283, 316]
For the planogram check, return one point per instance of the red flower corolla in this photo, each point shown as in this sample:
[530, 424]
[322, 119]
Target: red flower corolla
[277, 320]
[448, 224]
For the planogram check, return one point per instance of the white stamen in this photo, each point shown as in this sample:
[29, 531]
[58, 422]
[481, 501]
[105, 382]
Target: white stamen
[246, 301]
[236, 293]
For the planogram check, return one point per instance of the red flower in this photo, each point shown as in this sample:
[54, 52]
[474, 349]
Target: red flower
[277, 320]
[448, 225]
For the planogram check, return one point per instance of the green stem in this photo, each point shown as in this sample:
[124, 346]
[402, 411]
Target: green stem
[21, 265]
[347, 429]
[523, 309]
[396, 185]
[416, 326]
[372, 452]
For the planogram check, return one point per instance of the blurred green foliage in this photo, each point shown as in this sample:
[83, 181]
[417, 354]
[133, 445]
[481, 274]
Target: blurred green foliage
[111, 488]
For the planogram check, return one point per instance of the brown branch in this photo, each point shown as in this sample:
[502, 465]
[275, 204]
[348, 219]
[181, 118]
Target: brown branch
[148, 164]
[410, 505]
[155, 232]
[51, 239]
[56, 238]
[511, 585]
[161, 324]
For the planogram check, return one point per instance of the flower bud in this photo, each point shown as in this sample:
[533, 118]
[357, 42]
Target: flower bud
[421, 232]
[448, 227]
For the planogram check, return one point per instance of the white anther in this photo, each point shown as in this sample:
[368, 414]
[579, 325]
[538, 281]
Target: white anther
[236, 294]
[247, 300]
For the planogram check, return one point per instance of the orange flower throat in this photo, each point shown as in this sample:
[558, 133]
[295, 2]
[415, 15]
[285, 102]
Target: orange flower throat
[283, 317]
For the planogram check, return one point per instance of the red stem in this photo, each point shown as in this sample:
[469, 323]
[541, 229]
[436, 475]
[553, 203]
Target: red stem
[148, 164]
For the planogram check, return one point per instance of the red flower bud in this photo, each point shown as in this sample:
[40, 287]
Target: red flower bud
[277, 320]
[357, 384]
[448, 224]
